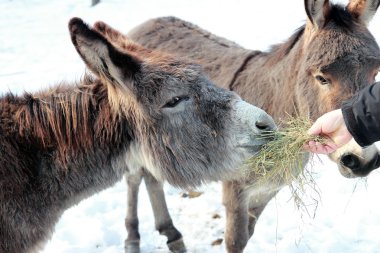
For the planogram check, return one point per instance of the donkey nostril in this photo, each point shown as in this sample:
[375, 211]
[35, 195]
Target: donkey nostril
[262, 125]
[350, 161]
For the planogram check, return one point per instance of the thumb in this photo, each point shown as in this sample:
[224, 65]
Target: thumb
[316, 128]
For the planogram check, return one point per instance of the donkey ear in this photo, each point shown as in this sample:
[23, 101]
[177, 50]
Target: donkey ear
[363, 10]
[118, 39]
[109, 32]
[317, 11]
[101, 56]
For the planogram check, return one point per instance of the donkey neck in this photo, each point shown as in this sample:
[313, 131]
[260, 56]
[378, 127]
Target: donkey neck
[58, 147]
[269, 79]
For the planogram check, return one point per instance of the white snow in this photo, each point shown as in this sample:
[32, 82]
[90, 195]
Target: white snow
[36, 51]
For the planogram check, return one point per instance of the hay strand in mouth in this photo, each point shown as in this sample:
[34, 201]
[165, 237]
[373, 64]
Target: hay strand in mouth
[281, 161]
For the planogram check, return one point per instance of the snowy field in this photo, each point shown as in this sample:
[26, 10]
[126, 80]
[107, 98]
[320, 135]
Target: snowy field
[36, 51]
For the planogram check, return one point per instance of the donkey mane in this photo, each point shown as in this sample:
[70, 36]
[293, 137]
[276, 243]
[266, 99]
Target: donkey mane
[341, 17]
[64, 116]
[279, 51]
[338, 14]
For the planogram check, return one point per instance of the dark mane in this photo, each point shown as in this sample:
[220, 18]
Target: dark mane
[341, 17]
[65, 116]
[279, 51]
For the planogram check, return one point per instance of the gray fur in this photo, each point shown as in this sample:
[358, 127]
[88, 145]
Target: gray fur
[66, 143]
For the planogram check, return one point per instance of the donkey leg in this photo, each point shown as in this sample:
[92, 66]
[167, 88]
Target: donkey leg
[254, 214]
[164, 223]
[132, 243]
[236, 234]
[256, 206]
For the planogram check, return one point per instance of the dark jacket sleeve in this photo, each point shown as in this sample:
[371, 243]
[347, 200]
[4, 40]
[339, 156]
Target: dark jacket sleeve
[362, 115]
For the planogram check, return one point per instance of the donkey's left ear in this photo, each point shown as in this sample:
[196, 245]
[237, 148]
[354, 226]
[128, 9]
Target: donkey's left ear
[317, 11]
[363, 10]
[119, 39]
[108, 32]
[101, 56]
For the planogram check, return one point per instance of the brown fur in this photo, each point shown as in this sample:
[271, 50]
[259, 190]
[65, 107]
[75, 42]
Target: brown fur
[333, 46]
[42, 116]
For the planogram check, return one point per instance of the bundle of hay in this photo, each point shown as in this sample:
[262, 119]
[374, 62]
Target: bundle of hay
[282, 160]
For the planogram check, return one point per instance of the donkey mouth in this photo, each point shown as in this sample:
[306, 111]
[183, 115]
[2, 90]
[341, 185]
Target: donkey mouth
[254, 148]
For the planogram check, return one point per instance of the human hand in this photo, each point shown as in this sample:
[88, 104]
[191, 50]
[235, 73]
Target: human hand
[329, 125]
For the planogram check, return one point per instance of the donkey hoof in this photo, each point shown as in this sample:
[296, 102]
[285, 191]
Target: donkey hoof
[132, 247]
[177, 246]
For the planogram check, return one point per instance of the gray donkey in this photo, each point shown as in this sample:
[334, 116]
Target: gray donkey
[323, 63]
[141, 107]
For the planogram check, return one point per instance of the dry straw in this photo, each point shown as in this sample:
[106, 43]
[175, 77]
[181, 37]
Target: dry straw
[282, 160]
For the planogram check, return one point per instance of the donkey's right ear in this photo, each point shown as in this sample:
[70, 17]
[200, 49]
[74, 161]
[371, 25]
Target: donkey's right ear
[101, 56]
[317, 11]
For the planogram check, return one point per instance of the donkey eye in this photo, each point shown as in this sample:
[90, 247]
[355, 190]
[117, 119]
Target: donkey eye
[175, 101]
[322, 80]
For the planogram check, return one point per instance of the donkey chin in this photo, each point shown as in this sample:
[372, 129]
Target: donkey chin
[355, 161]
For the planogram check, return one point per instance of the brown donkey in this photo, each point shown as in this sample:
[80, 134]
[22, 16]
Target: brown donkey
[323, 63]
[141, 108]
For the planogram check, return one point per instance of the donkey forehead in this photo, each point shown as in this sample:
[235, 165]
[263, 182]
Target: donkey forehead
[331, 46]
[167, 68]
[352, 64]
[162, 81]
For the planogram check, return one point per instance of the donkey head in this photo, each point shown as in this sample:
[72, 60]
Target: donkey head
[340, 57]
[185, 129]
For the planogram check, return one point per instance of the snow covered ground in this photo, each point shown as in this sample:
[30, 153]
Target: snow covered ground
[35, 51]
